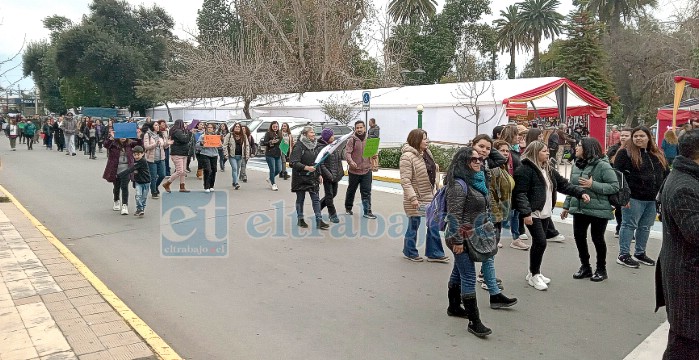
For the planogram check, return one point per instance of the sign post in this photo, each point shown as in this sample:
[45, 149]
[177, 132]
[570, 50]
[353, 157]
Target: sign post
[366, 105]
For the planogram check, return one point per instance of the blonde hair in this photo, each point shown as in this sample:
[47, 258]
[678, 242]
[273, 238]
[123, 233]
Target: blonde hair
[671, 137]
[532, 154]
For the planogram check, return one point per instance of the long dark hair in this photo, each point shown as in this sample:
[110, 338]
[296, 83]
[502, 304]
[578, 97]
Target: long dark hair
[459, 167]
[591, 148]
[635, 152]
[178, 125]
[533, 135]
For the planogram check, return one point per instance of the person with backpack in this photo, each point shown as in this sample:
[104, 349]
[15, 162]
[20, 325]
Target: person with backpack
[29, 130]
[359, 170]
[645, 168]
[466, 207]
[624, 135]
[332, 171]
[236, 149]
[418, 178]
[305, 177]
[593, 172]
[536, 185]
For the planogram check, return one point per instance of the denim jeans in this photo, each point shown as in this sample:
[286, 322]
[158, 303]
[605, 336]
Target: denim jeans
[514, 224]
[464, 273]
[275, 167]
[315, 201]
[157, 174]
[167, 162]
[235, 167]
[488, 269]
[364, 184]
[638, 219]
[221, 159]
[141, 195]
[243, 174]
[433, 245]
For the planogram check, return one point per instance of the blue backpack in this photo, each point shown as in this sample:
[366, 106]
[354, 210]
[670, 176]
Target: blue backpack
[436, 210]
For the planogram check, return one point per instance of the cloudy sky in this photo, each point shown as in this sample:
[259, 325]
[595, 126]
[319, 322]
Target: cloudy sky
[21, 19]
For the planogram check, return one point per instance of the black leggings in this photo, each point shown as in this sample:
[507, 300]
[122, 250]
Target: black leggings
[121, 185]
[209, 164]
[538, 230]
[597, 228]
[330, 189]
[617, 216]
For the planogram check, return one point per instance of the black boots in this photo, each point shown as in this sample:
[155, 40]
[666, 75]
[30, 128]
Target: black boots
[284, 175]
[475, 326]
[302, 224]
[320, 224]
[500, 301]
[599, 275]
[585, 271]
[455, 308]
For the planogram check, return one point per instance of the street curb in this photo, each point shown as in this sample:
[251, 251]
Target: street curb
[156, 343]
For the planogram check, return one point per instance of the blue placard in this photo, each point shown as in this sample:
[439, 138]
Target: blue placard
[125, 130]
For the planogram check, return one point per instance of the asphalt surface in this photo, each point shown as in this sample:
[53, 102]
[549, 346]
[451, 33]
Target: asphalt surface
[323, 297]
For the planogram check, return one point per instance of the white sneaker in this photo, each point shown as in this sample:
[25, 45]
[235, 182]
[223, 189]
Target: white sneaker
[117, 205]
[560, 238]
[212, 189]
[274, 187]
[537, 281]
[124, 209]
[207, 190]
[546, 280]
[524, 237]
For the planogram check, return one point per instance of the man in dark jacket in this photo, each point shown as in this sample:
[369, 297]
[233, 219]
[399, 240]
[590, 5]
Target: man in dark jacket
[677, 274]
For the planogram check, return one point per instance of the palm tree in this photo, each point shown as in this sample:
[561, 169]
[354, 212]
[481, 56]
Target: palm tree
[538, 19]
[510, 39]
[611, 12]
[411, 11]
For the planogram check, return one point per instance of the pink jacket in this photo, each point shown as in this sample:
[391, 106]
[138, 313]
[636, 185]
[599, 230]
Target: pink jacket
[354, 150]
[150, 142]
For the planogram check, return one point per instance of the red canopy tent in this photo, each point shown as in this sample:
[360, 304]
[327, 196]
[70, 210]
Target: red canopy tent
[686, 111]
[572, 99]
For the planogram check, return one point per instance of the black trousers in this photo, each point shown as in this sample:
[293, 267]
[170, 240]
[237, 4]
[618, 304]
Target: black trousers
[364, 184]
[538, 230]
[597, 228]
[121, 185]
[92, 143]
[617, 216]
[210, 165]
[680, 347]
[330, 189]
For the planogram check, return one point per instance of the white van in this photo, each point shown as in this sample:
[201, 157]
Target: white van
[258, 127]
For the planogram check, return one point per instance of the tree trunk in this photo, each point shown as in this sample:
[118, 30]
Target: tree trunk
[537, 66]
[511, 73]
[246, 107]
[169, 113]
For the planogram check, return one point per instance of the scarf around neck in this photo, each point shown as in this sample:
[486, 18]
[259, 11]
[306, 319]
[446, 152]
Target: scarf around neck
[310, 145]
[478, 182]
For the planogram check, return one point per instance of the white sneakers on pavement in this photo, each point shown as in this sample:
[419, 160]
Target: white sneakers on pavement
[546, 280]
[274, 187]
[560, 238]
[124, 209]
[519, 244]
[537, 281]
[524, 237]
[117, 205]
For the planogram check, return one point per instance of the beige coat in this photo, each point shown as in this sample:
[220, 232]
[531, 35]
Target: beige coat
[414, 180]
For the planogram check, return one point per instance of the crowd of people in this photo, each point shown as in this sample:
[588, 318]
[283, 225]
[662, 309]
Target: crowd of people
[507, 181]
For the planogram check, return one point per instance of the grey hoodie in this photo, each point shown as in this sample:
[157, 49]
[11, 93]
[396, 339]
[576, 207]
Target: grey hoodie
[69, 126]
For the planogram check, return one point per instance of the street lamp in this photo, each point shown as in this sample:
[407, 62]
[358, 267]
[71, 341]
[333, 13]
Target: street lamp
[413, 77]
[420, 108]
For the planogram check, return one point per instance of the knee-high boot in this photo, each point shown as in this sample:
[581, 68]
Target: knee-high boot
[475, 326]
[455, 308]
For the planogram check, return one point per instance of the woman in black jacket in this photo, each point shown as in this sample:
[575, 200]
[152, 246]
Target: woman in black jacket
[179, 150]
[273, 155]
[304, 177]
[332, 172]
[536, 184]
[645, 169]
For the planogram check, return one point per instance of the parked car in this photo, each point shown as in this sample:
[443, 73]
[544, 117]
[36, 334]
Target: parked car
[258, 127]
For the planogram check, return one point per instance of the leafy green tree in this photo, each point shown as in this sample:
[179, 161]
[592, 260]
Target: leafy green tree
[510, 37]
[411, 11]
[612, 12]
[217, 23]
[540, 20]
[38, 61]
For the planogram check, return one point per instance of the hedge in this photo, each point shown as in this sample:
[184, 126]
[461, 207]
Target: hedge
[390, 157]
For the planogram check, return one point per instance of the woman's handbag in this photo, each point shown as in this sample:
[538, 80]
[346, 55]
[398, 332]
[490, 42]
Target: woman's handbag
[481, 241]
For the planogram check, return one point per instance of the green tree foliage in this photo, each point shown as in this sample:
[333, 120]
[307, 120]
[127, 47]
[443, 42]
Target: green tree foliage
[411, 11]
[612, 12]
[510, 37]
[217, 23]
[540, 20]
[38, 61]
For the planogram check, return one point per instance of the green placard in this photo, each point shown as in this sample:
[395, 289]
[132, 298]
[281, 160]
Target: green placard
[284, 147]
[371, 148]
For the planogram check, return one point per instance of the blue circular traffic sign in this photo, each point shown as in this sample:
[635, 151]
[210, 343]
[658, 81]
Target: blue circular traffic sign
[365, 98]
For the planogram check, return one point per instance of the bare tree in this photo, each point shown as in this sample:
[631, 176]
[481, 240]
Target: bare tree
[340, 108]
[471, 97]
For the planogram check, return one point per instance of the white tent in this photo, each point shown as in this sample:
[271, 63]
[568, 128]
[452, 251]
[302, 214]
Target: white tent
[446, 115]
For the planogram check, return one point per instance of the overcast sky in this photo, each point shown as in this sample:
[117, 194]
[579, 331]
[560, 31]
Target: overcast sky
[22, 19]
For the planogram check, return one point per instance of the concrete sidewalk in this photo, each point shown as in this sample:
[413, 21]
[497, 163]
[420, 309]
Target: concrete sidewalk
[48, 309]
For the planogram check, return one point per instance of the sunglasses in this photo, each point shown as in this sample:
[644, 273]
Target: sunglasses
[476, 160]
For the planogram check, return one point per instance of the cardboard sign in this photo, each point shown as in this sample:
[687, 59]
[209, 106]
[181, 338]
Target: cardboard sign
[193, 124]
[371, 148]
[284, 147]
[212, 141]
[125, 130]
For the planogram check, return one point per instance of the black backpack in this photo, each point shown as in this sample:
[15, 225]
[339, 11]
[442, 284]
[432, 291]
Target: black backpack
[623, 197]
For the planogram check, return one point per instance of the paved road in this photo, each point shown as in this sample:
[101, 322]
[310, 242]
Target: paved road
[323, 298]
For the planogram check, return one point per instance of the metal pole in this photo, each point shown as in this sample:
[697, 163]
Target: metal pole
[419, 119]
[366, 118]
